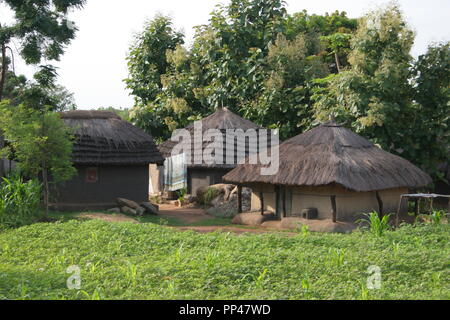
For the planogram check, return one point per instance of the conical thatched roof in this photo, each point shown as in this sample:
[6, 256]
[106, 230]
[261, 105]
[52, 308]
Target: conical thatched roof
[331, 154]
[102, 137]
[222, 120]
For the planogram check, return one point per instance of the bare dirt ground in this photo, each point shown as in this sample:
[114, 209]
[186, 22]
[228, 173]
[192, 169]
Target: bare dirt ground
[107, 217]
[190, 216]
[186, 215]
[195, 215]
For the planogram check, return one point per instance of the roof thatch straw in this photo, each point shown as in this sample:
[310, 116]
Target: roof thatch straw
[103, 138]
[222, 120]
[332, 154]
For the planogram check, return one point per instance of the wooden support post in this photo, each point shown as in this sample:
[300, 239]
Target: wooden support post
[380, 205]
[416, 207]
[261, 198]
[284, 203]
[397, 217]
[334, 208]
[239, 199]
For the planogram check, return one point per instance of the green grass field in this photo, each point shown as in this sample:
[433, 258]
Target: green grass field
[165, 221]
[149, 261]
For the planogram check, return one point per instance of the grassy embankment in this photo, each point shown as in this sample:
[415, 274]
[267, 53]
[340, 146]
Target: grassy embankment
[150, 261]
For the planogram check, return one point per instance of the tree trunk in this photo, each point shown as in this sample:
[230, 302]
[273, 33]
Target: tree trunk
[2, 86]
[4, 69]
[338, 63]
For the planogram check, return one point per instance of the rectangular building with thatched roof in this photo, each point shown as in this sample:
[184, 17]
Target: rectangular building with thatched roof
[334, 172]
[111, 157]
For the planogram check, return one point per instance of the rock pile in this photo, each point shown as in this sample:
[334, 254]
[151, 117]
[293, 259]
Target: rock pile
[225, 204]
[133, 208]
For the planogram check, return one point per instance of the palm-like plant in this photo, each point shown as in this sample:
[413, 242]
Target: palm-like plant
[376, 225]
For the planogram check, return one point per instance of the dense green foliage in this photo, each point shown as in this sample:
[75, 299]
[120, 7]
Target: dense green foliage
[431, 81]
[146, 261]
[403, 109]
[20, 90]
[291, 71]
[252, 57]
[121, 112]
[19, 201]
[41, 27]
[40, 142]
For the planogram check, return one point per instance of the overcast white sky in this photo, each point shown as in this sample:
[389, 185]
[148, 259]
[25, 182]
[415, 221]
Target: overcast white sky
[94, 65]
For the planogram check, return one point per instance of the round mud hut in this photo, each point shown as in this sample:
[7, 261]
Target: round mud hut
[330, 172]
[112, 158]
[206, 174]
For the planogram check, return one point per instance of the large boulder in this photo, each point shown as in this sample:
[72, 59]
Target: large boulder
[228, 209]
[190, 199]
[127, 203]
[140, 211]
[150, 208]
[252, 219]
[114, 210]
[327, 226]
[128, 210]
[226, 204]
[222, 189]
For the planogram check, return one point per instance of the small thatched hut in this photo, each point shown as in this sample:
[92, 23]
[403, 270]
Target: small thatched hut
[112, 158]
[333, 170]
[203, 175]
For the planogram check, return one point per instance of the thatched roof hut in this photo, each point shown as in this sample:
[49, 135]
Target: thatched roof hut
[223, 119]
[102, 137]
[331, 156]
[112, 159]
[200, 175]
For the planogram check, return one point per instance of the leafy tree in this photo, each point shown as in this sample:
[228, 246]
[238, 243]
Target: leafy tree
[40, 142]
[284, 100]
[19, 90]
[147, 58]
[335, 29]
[42, 29]
[231, 50]
[251, 57]
[376, 97]
[431, 81]
[121, 112]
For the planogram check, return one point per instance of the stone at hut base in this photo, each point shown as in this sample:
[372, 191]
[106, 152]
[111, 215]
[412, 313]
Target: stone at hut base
[114, 210]
[252, 219]
[150, 208]
[128, 210]
[140, 211]
[127, 203]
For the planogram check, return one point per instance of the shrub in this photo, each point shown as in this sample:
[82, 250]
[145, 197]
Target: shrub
[19, 201]
[437, 217]
[375, 224]
[181, 194]
[209, 196]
